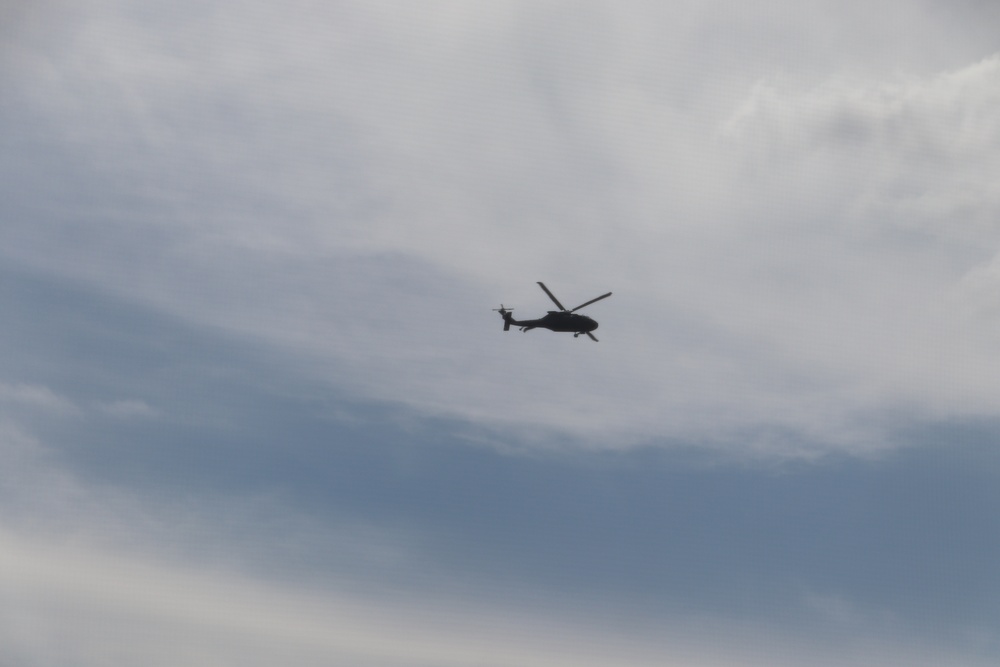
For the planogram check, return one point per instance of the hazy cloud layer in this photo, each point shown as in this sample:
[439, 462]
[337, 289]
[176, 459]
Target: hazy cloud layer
[107, 608]
[254, 405]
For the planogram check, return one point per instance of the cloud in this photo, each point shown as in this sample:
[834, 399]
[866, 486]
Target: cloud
[129, 409]
[37, 397]
[247, 518]
[108, 605]
[922, 148]
[30, 400]
[250, 252]
[357, 190]
[841, 612]
[898, 179]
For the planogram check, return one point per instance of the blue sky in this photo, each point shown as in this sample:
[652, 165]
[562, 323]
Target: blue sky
[254, 405]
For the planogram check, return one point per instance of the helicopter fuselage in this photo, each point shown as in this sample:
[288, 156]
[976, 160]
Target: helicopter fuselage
[559, 321]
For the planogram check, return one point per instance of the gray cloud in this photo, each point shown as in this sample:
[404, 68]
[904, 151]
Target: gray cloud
[249, 487]
[254, 405]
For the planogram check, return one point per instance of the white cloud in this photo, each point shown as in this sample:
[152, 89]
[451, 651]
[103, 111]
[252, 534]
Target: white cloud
[39, 397]
[361, 186]
[43, 402]
[898, 181]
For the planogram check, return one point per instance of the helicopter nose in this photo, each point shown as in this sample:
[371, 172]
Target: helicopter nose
[593, 325]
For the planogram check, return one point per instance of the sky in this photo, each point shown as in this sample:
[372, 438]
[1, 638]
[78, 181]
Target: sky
[255, 407]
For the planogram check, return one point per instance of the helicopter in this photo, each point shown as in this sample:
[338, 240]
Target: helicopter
[555, 320]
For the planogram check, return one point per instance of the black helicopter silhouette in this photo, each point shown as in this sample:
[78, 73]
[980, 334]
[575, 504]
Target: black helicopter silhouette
[555, 320]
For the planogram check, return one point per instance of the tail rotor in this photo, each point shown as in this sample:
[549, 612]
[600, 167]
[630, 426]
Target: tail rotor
[505, 313]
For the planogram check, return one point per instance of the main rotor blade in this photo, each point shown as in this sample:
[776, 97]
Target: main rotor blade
[592, 337]
[603, 296]
[554, 300]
